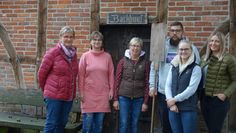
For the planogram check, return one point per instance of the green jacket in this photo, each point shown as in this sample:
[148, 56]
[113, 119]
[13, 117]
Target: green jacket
[220, 76]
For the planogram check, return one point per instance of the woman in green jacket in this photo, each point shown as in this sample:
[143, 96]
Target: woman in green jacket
[219, 69]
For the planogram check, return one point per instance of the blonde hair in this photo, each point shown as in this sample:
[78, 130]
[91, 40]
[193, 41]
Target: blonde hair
[136, 40]
[66, 29]
[223, 47]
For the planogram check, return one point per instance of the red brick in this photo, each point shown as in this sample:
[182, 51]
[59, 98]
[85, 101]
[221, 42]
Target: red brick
[171, 3]
[183, 3]
[124, 0]
[184, 13]
[193, 8]
[176, 8]
[148, 4]
[220, 13]
[107, 0]
[175, 19]
[192, 18]
[219, 3]
[130, 4]
[114, 4]
[123, 9]
[138, 9]
[64, 2]
[192, 28]
[212, 8]
[171, 13]
[108, 9]
[206, 34]
[202, 13]
[203, 24]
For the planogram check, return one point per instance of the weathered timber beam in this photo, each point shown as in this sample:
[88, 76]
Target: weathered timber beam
[13, 58]
[232, 112]
[95, 18]
[41, 36]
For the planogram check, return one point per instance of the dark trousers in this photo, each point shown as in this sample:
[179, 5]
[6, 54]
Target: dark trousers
[214, 112]
[163, 113]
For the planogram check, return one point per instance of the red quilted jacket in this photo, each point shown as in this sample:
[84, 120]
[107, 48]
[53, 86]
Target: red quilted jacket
[57, 76]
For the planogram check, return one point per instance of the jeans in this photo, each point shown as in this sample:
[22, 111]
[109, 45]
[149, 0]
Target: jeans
[163, 113]
[57, 115]
[183, 121]
[214, 112]
[130, 110]
[93, 122]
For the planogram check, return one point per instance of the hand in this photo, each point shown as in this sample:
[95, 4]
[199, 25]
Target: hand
[81, 98]
[152, 92]
[144, 107]
[116, 105]
[170, 102]
[221, 96]
[174, 108]
[110, 95]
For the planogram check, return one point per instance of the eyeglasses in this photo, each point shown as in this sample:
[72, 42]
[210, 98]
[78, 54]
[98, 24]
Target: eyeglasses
[135, 46]
[184, 49]
[177, 30]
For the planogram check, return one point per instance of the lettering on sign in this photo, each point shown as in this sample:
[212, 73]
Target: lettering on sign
[121, 18]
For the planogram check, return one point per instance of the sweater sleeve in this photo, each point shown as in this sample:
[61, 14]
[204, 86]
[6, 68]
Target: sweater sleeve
[119, 71]
[168, 92]
[193, 85]
[153, 77]
[111, 75]
[81, 75]
[146, 92]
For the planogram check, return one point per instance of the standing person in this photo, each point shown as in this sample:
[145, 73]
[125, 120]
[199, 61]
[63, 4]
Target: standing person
[171, 44]
[96, 84]
[57, 79]
[182, 82]
[220, 82]
[131, 86]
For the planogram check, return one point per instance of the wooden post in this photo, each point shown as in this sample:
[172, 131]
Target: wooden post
[232, 112]
[94, 15]
[41, 36]
[158, 34]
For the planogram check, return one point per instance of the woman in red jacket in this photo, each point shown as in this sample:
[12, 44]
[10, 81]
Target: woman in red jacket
[57, 79]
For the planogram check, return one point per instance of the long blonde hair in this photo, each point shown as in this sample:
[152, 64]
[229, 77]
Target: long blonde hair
[223, 46]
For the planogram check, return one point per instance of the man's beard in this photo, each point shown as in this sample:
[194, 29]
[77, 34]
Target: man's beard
[175, 41]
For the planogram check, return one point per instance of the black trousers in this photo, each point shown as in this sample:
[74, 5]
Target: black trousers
[214, 112]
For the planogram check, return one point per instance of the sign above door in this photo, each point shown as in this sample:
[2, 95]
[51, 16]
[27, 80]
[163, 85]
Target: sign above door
[127, 18]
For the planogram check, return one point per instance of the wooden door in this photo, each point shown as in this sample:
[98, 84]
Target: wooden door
[116, 39]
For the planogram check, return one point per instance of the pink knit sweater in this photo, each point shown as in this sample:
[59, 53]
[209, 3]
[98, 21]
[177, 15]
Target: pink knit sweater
[96, 81]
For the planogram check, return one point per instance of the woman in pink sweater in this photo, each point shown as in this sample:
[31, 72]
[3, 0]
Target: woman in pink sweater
[96, 80]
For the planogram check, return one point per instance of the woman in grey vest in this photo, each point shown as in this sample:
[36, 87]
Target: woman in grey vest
[181, 85]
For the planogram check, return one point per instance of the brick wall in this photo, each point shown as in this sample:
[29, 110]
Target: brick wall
[19, 17]
[128, 6]
[199, 17]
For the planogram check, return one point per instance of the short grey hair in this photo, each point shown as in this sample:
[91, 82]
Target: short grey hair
[66, 29]
[136, 40]
[96, 33]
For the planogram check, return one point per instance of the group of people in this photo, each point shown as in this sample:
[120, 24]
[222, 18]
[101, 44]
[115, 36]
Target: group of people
[176, 83]
[184, 78]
